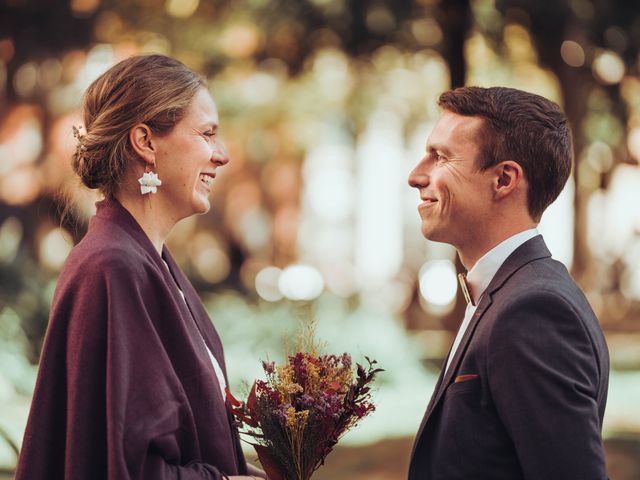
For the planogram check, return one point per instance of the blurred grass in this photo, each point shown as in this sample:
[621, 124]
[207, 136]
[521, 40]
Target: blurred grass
[389, 460]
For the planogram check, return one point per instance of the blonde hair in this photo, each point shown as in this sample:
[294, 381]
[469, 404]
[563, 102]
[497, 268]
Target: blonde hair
[151, 89]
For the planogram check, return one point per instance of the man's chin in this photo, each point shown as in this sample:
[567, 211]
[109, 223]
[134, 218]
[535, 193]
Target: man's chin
[431, 234]
[427, 233]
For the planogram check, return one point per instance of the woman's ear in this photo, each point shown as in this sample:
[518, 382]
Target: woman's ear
[508, 176]
[140, 139]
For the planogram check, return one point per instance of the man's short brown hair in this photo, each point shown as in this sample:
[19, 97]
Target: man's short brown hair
[525, 128]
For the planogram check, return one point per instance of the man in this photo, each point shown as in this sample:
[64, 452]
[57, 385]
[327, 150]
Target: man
[523, 390]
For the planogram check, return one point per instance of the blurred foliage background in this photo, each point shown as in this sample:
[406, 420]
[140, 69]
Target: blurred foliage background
[325, 106]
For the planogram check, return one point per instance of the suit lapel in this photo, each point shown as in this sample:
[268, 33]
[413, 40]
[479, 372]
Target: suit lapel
[484, 304]
[445, 378]
[529, 251]
[431, 402]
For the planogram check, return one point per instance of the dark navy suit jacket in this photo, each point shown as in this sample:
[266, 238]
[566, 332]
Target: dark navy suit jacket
[525, 393]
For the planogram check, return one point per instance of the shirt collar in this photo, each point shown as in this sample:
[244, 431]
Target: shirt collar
[484, 270]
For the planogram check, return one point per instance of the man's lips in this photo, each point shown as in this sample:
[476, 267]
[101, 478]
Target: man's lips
[427, 202]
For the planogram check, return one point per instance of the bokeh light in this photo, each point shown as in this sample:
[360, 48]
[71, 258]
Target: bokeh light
[633, 143]
[266, 283]
[438, 282]
[300, 282]
[608, 67]
[10, 236]
[181, 8]
[55, 247]
[572, 53]
[209, 257]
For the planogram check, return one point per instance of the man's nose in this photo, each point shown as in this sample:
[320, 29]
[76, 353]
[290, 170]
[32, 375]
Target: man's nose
[419, 177]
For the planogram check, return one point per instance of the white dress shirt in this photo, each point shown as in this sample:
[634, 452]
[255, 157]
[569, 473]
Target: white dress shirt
[481, 275]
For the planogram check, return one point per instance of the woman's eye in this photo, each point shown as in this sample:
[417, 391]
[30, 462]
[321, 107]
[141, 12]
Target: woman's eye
[208, 134]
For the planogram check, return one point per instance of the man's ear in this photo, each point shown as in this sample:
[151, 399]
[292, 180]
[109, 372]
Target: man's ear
[508, 176]
[141, 141]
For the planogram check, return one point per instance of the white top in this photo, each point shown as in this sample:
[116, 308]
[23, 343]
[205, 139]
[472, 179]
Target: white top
[216, 366]
[481, 274]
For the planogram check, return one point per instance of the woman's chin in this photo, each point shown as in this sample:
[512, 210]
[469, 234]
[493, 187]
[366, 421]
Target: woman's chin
[202, 205]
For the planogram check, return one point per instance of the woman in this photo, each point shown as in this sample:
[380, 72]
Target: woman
[132, 376]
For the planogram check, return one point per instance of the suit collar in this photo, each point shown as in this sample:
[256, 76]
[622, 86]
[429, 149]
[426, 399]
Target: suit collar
[480, 275]
[533, 249]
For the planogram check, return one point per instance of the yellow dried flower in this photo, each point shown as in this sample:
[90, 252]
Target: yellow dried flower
[285, 373]
[284, 382]
[313, 379]
[293, 388]
[296, 420]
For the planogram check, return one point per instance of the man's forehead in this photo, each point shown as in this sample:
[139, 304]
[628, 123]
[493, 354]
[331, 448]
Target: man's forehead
[454, 126]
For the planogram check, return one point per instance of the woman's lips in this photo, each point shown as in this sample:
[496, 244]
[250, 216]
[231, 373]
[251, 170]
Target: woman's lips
[206, 180]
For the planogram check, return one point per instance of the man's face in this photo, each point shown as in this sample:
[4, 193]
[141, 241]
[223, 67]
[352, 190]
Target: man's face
[456, 196]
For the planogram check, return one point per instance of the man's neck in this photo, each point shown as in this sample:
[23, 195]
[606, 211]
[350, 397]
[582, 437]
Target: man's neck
[473, 251]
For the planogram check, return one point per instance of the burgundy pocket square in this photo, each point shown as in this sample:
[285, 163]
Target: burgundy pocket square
[465, 378]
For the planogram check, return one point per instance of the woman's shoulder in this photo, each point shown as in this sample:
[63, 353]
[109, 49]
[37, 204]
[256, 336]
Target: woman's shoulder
[100, 255]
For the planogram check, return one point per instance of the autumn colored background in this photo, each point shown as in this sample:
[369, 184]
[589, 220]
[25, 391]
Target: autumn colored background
[325, 106]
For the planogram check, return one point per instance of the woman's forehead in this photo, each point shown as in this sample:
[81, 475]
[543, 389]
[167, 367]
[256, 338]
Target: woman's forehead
[203, 108]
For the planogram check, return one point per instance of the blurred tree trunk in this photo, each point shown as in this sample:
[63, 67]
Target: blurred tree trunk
[456, 26]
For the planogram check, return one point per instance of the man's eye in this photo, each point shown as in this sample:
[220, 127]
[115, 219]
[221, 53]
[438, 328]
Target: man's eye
[208, 134]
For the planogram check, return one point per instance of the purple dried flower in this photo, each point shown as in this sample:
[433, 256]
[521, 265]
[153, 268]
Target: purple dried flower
[281, 413]
[274, 396]
[300, 371]
[330, 405]
[269, 367]
[363, 409]
[304, 402]
[346, 360]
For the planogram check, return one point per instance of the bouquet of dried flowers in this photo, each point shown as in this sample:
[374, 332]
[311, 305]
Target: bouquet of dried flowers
[301, 410]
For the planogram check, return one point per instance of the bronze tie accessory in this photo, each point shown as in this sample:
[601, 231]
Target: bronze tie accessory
[466, 289]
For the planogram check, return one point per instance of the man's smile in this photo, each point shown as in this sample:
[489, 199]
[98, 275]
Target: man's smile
[427, 202]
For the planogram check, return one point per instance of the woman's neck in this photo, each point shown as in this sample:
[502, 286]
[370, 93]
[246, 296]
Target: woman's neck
[148, 212]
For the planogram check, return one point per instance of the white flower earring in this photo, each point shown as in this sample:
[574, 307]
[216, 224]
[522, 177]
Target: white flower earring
[149, 183]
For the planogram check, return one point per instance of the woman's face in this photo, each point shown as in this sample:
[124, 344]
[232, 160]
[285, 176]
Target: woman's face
[187, 158]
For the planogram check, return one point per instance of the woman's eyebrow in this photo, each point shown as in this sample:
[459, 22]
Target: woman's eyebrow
[209, 124]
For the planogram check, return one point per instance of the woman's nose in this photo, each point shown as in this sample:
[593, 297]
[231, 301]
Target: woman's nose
[220, 156]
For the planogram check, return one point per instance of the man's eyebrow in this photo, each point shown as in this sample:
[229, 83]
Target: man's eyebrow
[212, 125]
[440, 148]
